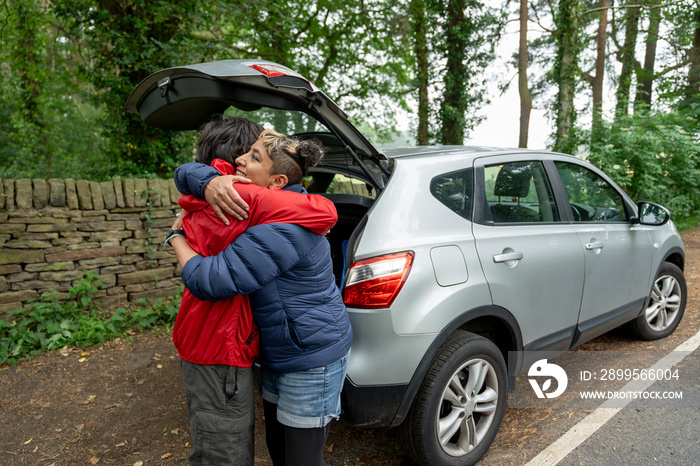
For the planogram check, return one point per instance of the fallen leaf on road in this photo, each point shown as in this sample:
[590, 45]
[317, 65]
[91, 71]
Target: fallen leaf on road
[29, 441]
[138, 463]
[82, 359]
[90, 399]
[94, 460]
[167, 455]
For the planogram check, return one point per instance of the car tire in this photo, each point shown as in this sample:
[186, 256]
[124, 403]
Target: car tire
[665, 307]
[461, 401]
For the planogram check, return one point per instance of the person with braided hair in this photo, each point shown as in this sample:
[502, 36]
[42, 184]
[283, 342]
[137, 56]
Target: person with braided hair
[287, 272]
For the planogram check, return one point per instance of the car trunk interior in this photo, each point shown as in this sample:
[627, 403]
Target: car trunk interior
[351, 209]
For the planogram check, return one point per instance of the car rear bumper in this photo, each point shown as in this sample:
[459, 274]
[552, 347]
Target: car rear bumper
[371, 406]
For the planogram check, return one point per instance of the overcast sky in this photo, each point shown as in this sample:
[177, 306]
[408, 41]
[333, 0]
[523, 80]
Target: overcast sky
[503, 114]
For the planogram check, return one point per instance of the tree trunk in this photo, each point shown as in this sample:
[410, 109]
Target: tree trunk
[421, 53]
[693, 89]
[523, 88]
[601, 38]
[26, 63]
[645, 76]
[453, 110]
[598, 79]
[565, 75]
[628, 60]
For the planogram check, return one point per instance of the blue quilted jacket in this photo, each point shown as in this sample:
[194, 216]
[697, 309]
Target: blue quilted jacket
[288, 274]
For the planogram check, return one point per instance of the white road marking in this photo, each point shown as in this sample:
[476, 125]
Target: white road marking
[558, 450]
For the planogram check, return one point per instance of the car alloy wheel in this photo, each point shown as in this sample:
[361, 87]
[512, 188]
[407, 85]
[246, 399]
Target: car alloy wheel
[665, 306]
[467, 407]
[665, 303]
[459, 407]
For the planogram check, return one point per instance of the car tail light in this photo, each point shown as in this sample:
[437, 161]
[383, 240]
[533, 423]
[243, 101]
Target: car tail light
[271, 70]
[376, 282]
[282, 76]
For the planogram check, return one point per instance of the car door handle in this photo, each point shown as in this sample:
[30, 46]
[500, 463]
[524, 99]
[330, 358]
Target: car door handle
[594, 245]
[513, 256]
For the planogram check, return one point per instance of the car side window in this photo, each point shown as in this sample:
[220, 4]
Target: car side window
[455, 190]
[519, 192]
[592, 199]
[335, 183]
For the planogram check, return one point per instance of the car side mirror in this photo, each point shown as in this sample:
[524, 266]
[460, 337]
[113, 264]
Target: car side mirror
[651, 214]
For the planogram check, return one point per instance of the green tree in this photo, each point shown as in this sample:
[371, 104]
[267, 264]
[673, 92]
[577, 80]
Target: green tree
[598, 79]
[565, 73]
[419, 33]
[523, 87]
[645, 73]
[470, 37]
[687, 37]
[122, 42]
[654, 156]
[626, 55]
[693, 89]
[340, 47]
[44, 119]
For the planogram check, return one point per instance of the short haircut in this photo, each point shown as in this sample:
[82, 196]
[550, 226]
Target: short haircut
[226, 139]
[290, 156]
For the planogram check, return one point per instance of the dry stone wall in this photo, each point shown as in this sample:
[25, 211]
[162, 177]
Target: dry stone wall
[53, 230]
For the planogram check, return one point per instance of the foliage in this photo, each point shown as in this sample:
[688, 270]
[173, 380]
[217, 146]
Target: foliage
[67, 67]
[656, 157]
[566, 74]
[447, 45]
[470, 37]
[48, 324]
[124, 41]
[683, 39]
[336, 45]
[101, 49]
[45, 120]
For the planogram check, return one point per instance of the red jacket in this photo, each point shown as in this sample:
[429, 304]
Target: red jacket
[223, 332]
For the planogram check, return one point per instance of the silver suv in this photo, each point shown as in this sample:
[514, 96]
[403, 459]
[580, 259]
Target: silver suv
[451, 259]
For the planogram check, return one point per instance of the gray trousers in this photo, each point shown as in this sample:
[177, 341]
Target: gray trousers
[220, 404]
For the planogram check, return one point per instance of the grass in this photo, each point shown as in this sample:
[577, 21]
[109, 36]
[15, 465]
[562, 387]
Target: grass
[48, 324]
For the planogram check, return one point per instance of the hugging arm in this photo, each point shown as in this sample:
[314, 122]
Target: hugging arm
[254, 259]
[191, 178]
[314, 212]
[206, 182]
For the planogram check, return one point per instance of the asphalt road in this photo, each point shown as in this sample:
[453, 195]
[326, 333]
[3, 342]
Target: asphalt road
[653, 431]
[636, 431]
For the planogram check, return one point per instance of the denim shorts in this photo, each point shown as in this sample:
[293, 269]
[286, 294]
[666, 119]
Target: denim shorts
[306, 399]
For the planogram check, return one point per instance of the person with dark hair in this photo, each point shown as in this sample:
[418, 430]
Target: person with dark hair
[226, 139]
[217, 339]
[287, 272]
